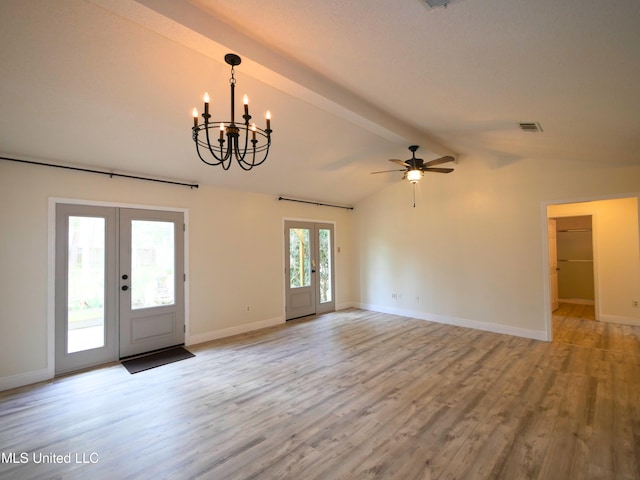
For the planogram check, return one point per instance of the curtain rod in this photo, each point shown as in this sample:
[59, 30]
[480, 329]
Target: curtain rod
[320, 204]
[101, 172]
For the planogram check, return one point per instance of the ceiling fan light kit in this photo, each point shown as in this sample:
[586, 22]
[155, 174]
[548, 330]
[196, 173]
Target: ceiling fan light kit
[232, 138]
[414, 168]
[414, 176]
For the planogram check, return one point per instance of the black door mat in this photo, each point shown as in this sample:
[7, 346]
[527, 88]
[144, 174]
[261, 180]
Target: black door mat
[154, 360]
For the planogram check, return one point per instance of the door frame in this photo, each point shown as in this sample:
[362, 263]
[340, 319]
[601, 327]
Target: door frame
[284, 260]
[51, 263]
[548, 317]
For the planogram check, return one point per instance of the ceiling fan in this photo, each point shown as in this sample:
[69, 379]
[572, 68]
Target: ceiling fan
[414, 168]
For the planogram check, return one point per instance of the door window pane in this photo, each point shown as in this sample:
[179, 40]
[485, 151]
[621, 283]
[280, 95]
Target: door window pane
[85, 283]
[299, 258]
[152, 264]
[324, 265]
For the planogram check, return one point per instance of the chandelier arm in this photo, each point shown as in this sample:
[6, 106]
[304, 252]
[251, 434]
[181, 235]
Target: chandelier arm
[213, 164]
[246, 165]
[257, 149]
[237, 155]
[211, 149]
[240, 157]
[200, 143]
[226, 158]
[263, 148]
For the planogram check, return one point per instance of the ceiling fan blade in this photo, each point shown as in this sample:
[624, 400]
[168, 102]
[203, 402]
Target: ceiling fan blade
[387, 171]
[438, 161]
[438, 170]
[399, 162]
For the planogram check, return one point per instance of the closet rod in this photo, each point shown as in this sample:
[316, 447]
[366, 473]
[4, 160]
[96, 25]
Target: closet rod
[315, 203]
[565, 260]
[575, 230]
[101, 172]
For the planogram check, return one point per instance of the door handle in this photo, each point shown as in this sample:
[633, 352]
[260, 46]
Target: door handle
[125, 287]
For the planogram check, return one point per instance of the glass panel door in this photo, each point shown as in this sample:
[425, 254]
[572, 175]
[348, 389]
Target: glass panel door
[300, 269]
[324, 233]
[85, 289]
[325, 273]
[310, 286]
[151, 280]
[119, 284]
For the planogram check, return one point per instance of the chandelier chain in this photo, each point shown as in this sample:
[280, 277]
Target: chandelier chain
[232, 80]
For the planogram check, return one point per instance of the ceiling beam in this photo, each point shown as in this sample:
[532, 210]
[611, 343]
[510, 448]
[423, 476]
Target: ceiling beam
[198, 30]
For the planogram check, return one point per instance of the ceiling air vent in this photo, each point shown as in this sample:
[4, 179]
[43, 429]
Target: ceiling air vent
[437, 3]
[531, 127]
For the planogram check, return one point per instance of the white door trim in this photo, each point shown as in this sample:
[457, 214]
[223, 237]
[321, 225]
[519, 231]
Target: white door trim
[51, 264]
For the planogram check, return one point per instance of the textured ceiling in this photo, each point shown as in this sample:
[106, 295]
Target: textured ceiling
[111, 83]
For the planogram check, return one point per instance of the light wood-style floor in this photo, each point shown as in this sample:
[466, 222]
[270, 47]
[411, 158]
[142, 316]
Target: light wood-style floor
[348, 395]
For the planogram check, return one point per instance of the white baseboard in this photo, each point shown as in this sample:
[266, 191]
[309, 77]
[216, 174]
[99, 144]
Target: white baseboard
[576, 301]
[230, 331]
[22, 379]
[635, 322]
[345, 305]
[461, 322]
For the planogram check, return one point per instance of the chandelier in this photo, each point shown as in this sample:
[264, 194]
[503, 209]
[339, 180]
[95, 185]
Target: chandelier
[227, 140]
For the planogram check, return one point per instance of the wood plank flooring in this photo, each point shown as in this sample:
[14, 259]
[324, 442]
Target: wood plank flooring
[347, 395]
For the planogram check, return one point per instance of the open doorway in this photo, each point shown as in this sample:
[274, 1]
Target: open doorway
[575, 260]
[600, 263]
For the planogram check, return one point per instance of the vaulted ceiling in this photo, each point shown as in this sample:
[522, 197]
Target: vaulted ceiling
[111, 84]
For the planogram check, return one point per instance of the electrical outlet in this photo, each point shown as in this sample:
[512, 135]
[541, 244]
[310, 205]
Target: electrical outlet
[247, 308]
[394, 296]
[634, 304]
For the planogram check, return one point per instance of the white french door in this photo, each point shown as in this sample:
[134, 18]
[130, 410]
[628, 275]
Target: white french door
[309, 268]
[151, 280]
[119, 283]
[86, 287]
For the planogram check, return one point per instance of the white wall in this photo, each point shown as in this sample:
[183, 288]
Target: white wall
[616, 251]
[235, 256]
[474, 248]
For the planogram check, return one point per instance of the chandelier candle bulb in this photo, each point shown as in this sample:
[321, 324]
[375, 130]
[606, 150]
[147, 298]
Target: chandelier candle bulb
[221, 131]
[245, 100]
[206, 103]
[253, 131]
[268, 120]
[195, 117]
